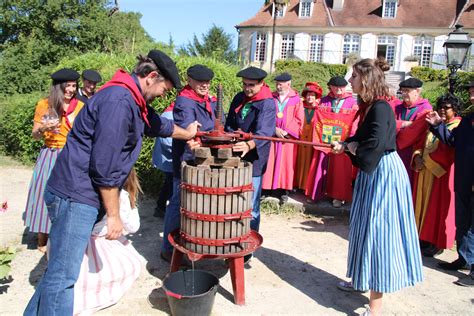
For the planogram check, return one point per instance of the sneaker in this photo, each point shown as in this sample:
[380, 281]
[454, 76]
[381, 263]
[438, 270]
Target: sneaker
[337, 203]
[366, 312]
[467, 281]
[458, 264]
[347, 287]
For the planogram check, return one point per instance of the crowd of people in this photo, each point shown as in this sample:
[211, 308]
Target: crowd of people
[405, 168]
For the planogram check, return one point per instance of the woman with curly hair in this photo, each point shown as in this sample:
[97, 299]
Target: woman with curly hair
[384, 255]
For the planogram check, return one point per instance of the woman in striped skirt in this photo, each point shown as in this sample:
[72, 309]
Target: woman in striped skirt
[384, 254]
[52, 122]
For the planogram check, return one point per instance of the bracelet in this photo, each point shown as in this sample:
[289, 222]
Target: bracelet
[246, 143]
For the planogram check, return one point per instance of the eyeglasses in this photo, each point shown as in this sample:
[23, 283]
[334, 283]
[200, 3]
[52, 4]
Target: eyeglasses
[445, 107]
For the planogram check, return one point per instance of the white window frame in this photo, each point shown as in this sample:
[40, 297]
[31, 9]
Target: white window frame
[389, 9]
[305, 2]
[260, 47]
[353, 44]
[281, 13]
[316, 46]
[388, 40]
[423, 48]
[287, 45]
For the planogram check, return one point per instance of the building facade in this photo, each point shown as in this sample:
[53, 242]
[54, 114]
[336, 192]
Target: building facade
[405, 32]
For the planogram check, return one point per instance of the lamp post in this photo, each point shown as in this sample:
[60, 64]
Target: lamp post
[457, 45]
[278, 5]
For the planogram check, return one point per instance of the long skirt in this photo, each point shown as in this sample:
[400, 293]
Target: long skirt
[384, 254]
[108, 270]
[36, 213]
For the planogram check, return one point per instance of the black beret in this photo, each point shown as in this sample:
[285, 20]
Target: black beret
[252, 73]
[283, 77]
[166, 66]
[65, 74]
[91, 75]
[338, 81]
[411, 83]
[200, 73]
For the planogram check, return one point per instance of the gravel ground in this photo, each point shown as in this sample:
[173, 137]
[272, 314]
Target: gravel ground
[295, 272]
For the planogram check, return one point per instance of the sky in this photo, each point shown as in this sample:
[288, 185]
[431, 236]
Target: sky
[184, 18]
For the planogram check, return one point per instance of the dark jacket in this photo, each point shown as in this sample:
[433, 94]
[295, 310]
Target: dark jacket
[103, 146]
[462, 139]
[376, 137]
[185, 112]
[261, 120]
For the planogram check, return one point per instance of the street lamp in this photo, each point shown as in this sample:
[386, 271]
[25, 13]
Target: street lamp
[278, 5]
[457, 45]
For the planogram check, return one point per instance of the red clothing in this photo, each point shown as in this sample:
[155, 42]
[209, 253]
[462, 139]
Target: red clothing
[433, 192]
[282, 158]
[331, 174]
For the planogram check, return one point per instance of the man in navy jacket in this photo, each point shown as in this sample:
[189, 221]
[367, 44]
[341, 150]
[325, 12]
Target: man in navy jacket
[101, 149]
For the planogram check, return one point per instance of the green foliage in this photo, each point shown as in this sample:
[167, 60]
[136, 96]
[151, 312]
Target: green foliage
[17, 111]
[429, 74]
[215, 43]
[433, 90]
[37, 34]
[6, 257]
[303, 72]
[272, 206]
[16, 122]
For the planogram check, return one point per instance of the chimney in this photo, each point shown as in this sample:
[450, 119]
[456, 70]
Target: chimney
[337, 5]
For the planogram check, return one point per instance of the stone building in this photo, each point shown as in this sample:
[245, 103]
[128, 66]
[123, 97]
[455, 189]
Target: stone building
[331, 31]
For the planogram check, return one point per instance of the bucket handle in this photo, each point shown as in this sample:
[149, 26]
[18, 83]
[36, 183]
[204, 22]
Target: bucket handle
[172, 294]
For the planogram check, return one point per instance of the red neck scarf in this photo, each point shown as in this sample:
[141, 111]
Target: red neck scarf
[123, 79]
[264, 93]
[70, 109]
[189, 93]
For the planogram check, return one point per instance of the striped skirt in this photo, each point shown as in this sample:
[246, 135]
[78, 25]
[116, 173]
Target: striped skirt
[384, 254]
[36, 213]
[108, 270]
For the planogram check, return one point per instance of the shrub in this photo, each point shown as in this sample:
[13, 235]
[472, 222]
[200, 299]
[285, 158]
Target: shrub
[427, 74]
[303, 72]
[17, 111]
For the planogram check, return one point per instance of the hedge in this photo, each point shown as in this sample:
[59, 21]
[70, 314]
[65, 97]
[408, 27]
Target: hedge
[303, 72]
[17, 111]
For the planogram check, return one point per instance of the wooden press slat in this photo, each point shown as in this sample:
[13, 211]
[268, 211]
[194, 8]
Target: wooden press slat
[221, 209]
[214, 208]
[207, 208]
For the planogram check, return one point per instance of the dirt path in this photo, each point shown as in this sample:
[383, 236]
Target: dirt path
[293, 273]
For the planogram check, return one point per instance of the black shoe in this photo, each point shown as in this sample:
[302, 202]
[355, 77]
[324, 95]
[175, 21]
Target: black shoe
[247, 258]
[458, 264]
[467, 281]
[431, 251]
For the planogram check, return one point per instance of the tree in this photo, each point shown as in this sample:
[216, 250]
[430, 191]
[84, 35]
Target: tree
[36, 34]
[215, 43]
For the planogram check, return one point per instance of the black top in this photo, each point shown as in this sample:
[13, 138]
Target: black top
[376, 137]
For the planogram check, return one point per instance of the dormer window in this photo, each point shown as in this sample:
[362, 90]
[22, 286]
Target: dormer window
[306, 7]
[389, 9]
[279, 11]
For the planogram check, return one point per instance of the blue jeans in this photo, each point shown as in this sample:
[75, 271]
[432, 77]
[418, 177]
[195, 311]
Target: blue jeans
[71, 226]
[172, 215]
[257, 186]
[465, 226]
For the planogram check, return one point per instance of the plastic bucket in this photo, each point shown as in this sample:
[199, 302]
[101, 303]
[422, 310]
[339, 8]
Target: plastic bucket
[190, 292]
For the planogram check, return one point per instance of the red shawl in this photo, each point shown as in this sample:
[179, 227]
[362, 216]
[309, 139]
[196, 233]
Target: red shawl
[122, 79]
[264, 93]
[189, 93]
